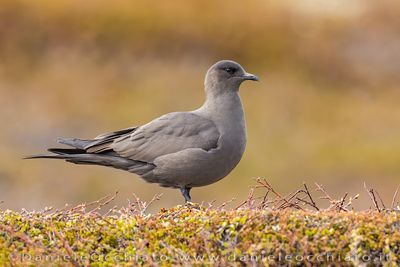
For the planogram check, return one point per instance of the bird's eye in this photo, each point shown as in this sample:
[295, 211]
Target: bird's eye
[230, 70]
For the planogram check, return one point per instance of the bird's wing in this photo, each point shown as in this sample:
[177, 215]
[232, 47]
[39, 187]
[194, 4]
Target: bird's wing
[168, 134]
[100, 143]
[115, 133]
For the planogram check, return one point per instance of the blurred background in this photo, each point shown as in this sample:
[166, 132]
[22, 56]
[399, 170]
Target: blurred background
[326, 110]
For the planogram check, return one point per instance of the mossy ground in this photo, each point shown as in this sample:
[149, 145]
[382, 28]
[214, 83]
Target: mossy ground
[196, 235]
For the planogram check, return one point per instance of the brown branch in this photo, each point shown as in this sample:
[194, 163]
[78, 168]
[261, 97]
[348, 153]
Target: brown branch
[371, 195]
[335, 204]
[141, 206]
[342, 202]
[264, 202]
[304, 201]
[67, 247]
[288, 200]
[350, 202]
[101, 204]
[380, 199]
[110, 211]
[25, 238]
[394, 197]
[310, 197]
[249, 198]
[264, 183]
[223, 204]
[321, 189]
[155, 198]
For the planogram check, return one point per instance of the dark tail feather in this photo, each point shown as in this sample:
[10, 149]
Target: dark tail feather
[138, 167]
[44, 156]
[59, 153]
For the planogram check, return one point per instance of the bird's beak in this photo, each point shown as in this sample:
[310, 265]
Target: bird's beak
[250, 77]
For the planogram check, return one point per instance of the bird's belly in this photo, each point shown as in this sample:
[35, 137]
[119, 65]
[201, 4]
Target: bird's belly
[196, 167]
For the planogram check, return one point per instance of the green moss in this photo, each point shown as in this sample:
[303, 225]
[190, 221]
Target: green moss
[196, 235]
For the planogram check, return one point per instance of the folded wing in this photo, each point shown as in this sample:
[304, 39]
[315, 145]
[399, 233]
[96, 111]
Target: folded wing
[168, 134]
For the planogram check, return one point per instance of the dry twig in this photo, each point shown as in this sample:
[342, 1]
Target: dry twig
[392, 206]
[372, 196]
[67, 247]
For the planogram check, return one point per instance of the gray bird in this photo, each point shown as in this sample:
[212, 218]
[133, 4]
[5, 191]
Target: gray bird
[180, 149]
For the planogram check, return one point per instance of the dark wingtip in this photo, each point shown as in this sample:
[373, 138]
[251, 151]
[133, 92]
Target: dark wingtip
[66, 151]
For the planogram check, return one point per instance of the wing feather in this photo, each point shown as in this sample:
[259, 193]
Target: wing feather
[168, 134]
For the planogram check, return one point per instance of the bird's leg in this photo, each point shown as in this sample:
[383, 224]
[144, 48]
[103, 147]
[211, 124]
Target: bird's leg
[186, 193]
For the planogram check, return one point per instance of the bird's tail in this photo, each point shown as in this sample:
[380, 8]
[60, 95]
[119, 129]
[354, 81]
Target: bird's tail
[96, 152]
[78, 156]
[58, 153]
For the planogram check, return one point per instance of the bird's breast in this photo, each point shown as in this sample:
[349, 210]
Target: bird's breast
[233, 140]
[227, 113]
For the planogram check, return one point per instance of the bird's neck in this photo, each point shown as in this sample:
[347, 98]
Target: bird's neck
[221, 106]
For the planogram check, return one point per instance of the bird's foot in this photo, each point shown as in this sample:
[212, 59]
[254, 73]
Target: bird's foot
[186, 193]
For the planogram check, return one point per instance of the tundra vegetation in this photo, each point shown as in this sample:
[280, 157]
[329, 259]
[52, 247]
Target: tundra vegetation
[266, 228]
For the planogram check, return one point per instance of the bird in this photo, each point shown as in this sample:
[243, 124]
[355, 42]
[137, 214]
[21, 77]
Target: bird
[179, 150]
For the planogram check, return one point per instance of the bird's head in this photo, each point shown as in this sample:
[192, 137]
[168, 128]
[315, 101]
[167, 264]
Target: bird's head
[227, 75]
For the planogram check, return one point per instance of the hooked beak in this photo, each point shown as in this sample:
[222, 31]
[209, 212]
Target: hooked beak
[250, 77]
